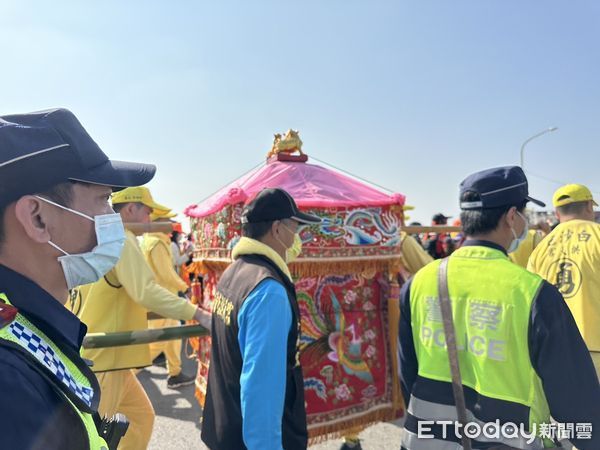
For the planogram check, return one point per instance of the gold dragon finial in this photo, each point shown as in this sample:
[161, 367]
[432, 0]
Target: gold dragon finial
[290, 143]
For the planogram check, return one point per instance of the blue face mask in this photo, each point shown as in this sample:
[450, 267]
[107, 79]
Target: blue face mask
[514, 245]
[88, 267]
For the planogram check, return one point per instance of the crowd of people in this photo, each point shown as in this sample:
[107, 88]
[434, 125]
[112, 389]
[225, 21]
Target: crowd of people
[442, 244]
[498, 323]
[527, 355]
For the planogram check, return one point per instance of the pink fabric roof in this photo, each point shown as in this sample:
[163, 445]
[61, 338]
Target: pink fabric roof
[310, 185]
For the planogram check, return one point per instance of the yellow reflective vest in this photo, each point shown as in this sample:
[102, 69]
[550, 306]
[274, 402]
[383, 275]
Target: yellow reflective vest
[491, 313]
[49, 357]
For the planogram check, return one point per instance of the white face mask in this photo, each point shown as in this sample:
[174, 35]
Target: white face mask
[88, 267]
[514, 245]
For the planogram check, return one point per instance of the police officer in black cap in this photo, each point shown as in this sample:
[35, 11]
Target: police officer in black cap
[57, 231]
[520, 356]
[255, 393]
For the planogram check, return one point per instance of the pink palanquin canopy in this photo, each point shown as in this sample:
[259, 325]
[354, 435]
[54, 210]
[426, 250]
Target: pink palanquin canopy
[347, 282]
[310, 185]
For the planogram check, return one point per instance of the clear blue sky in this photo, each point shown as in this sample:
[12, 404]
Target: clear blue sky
[411, 95]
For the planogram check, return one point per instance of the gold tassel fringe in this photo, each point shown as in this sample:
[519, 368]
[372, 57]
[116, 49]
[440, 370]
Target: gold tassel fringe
[341, 428]
[316, 267]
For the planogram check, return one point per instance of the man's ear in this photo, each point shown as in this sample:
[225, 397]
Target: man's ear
[510, 216]
[275, 228]
[31, 216]
[127, 211]
[128, 208]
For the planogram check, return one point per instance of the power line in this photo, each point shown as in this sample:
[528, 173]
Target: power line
[558, 182]
[354, 176]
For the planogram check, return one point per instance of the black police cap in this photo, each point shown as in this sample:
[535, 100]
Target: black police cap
[500, 186]
[275, 204]
[41, 149]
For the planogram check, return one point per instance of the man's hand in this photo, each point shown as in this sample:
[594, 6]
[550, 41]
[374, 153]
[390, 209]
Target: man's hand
[185, 294]
[203, 318]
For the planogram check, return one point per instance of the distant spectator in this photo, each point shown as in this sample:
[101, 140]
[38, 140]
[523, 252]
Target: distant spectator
[417, 236]
[449, 245]
[187, 247]
[434, 243]
[179, 258]
[457, 236]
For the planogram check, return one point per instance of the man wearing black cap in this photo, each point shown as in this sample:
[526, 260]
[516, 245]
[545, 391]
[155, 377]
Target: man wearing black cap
[521, 358]
[255, 393]
[57, 231]
[435, 243]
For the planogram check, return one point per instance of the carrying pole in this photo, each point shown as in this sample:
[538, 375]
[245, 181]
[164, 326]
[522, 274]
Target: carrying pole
[101, 340]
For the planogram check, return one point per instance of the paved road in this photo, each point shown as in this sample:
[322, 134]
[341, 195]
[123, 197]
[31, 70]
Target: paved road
[178, 414]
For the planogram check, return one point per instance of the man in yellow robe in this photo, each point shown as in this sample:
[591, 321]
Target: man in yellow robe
[157, 251]
[120, 302]
[569, 258]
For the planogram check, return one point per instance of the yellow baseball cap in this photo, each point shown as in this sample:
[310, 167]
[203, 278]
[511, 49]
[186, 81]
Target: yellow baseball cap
[162, 215]
[572, 193]
[139, 194]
